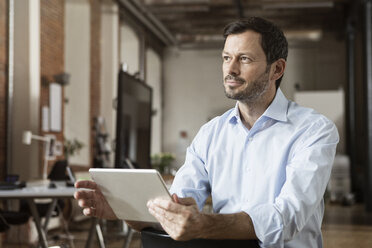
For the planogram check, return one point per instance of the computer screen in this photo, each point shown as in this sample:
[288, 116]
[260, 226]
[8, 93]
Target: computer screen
[133, 124]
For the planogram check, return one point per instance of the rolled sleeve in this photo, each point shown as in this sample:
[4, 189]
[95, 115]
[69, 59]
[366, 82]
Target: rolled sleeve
[307, 175]
[268, 224]
[192, 178]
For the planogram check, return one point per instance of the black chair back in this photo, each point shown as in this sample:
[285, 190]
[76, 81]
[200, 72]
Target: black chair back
[152, 238]
[58, 172]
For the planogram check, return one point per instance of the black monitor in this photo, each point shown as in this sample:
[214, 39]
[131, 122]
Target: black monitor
[133, 123]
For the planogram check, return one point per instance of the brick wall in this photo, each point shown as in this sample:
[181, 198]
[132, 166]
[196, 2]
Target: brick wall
[3, 84]
[52, 62]
[52, 52]
[95, 65]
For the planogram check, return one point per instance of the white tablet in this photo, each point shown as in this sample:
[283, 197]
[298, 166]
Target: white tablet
[128, 191]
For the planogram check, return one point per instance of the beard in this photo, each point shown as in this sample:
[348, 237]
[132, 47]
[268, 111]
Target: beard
[251, 92]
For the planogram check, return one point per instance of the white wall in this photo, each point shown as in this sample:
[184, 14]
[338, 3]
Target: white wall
[154, 79]
[25, 115]
[299, 70]
[193, 94]
[109, 66]
[129, 48]
[77, 63]
[315, 65]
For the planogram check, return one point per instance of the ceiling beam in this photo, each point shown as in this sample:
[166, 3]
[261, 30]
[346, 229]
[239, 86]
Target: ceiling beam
[239, 8]
[150, 21]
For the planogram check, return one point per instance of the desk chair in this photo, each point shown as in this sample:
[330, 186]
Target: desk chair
[55, 208]
[58, 173]
[128, 236]
[4, 226]
[152, 238]
[8, 218]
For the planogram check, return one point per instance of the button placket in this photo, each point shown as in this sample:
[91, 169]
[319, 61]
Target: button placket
[248, 142]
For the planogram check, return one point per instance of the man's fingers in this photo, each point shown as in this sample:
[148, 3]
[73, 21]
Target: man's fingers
[175, 198]
[162, 213]
[87, 184]
[89, 212]
[83, 194]
[166, 220]
[165, 204]
[87, 203]
[175, 218]
[174, 206]
[169, 223]
[91, 199]
[86, 198]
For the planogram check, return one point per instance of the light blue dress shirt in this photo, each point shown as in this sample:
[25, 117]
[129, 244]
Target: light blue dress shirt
[276, 172]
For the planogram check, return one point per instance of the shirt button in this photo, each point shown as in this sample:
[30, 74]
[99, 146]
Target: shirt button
[250, 139]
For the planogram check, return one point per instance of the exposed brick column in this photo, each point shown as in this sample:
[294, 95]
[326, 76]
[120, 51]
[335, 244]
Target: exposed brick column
[52, 52]
[3, 84]
[95, 66]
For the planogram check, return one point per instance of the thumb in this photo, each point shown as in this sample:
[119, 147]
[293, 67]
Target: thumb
[187, 201]
[175, 198]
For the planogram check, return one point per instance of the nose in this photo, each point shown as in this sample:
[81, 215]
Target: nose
[233, 68]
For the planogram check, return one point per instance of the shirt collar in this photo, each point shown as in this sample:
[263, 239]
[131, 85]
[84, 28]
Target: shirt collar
[234, 115]
[277, 110]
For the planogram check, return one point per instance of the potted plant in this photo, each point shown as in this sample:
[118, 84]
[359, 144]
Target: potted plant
[162, 161]
[72, 147]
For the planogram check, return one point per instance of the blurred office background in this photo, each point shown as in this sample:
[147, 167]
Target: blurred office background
[59, 64]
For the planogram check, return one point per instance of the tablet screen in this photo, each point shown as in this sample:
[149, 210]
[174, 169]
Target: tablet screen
[128, 191]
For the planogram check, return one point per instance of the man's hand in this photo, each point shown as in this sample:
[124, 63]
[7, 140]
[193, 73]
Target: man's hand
[92, 201]
[180, 218]
[94, 204]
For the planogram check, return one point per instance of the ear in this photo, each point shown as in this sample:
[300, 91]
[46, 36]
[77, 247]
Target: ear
[278, 68]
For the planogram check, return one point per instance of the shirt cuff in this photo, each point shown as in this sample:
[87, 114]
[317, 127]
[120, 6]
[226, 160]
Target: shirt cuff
[268, 224]
[186, 192]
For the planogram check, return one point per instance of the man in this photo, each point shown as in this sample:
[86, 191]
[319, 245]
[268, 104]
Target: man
[265, 162]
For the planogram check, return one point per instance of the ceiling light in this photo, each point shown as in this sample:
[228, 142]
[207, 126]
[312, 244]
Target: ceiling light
[298, 5]
[176, 2]
[309, 35]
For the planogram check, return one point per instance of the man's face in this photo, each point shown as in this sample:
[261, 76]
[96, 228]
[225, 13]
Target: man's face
[245, 70]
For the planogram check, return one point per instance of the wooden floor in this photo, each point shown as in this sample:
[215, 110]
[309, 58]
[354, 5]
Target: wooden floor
[349, 227]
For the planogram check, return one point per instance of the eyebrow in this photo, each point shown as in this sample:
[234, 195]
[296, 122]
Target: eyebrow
[240, 54]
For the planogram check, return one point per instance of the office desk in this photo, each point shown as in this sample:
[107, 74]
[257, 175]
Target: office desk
[30, 194]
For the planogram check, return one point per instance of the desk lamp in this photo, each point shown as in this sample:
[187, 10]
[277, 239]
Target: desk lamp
[28, 137]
